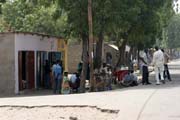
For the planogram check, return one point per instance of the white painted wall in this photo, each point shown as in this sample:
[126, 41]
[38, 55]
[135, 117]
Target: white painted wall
[28, 42]
[35, 43]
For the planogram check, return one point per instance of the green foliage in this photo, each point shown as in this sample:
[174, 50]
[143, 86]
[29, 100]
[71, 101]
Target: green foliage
[34, 16]
[139, 22]
[165, 13]
[2, 25]
[45, 3]
[173, 32]
[1, 3]
[77, 17]
[152, 19]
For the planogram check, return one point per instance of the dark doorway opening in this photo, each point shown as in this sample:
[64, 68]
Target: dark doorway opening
[26, 70]
[41, 58]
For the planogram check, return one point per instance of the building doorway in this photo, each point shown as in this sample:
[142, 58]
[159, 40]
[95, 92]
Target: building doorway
[26, 70]
[27, 62]
[41, 58]
[40, 62]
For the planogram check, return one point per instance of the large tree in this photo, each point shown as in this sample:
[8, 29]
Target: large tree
[173, 32]
[33, 16]
[166, 13]
[77, 19]
[105, 15]
[144, 28]
[102, 14]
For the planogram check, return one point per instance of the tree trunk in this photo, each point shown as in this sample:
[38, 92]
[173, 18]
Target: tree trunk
[85, 62]
[129, 59]
[134, 54]
[99, 44]
[121, 59]
[171, 53]
[90, 23]
[138, 57]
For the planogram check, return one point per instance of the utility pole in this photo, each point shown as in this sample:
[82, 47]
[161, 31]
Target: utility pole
[91, 54]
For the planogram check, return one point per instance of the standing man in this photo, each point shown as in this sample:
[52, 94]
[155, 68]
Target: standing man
[166, 69]
[158, 63]
[144, 67]
[57, 75]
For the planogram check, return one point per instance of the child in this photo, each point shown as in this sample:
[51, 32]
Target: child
[65, 86]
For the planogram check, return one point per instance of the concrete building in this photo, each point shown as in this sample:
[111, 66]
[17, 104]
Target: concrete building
[22, 58]
[75, 52]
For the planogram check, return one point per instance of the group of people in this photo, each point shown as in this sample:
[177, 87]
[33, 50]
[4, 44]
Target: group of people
[106, 73]
[62, 84]
[103, 78]
[159, 62]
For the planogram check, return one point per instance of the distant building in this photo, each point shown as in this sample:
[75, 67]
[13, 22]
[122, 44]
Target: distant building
[22, 59]
[110, 55]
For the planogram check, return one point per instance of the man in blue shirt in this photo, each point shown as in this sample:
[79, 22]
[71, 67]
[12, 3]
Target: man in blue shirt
[57, 75]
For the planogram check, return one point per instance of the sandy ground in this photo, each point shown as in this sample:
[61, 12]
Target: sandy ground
[54, 113]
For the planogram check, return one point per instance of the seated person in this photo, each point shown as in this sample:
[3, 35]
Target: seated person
[65, 86]
[103, 69]
[73, 78]
[130, 79]
[74, 82]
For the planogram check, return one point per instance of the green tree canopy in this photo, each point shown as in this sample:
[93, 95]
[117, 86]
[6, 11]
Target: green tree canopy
[34, 16]
[173, 32]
